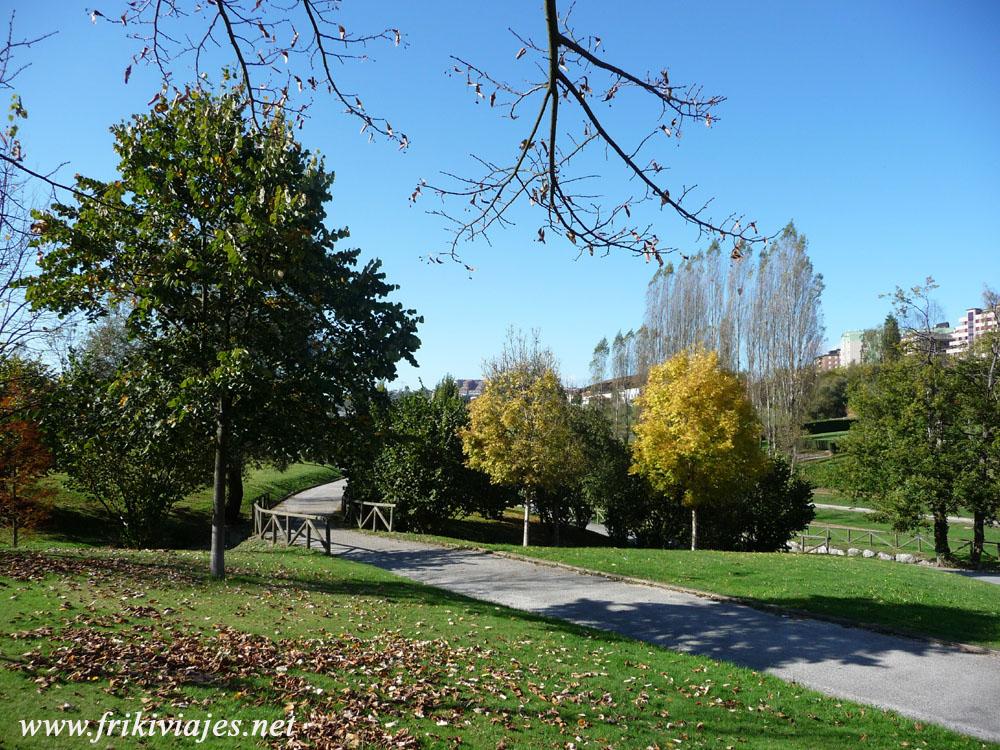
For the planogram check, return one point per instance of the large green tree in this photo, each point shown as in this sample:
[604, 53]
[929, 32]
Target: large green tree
[978, 482]
[214, 236]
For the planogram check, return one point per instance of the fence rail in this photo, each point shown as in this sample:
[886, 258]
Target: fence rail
[818, 536]
[829, 535]
[373, 513]
[291, 527]
[967, 543]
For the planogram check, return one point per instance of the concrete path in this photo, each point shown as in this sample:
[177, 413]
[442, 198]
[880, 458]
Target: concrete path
[964, 520]
[326, 499]
[917, 678]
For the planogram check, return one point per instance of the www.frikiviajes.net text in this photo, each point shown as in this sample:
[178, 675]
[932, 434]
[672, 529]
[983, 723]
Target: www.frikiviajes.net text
[139, 725]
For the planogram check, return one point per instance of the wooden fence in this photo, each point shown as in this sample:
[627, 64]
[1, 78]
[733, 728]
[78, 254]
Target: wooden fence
[373, 513]
[289, 528]
[821, 536]
[817, 537]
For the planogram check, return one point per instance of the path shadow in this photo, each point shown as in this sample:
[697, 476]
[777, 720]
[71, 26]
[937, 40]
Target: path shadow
[750, 637]
[742, 634]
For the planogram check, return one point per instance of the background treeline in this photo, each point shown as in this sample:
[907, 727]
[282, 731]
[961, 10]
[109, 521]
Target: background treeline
[761, 313]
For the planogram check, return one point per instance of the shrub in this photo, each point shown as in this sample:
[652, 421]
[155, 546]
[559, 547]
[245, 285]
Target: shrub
[417, 462]
[606, 484]
[759, 519]
[117, 446]
[766, 515]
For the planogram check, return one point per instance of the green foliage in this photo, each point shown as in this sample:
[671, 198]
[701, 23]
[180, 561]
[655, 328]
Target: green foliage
[763, 517]
[214, 238]
[606, 485]
[420, 465]
[115, 441]
[904, 450]
[828, 398]
[891, 344]
[827, 473]
[759, 517]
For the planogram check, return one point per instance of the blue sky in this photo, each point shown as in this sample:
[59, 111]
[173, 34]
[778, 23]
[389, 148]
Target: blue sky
[873, 125]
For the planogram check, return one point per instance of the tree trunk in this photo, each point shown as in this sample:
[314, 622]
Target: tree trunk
[218, 565]
[557, 528]
[978, 536]
[13, 530]
[234, 490]
[941, 549]
[694, 528]
[527, 512]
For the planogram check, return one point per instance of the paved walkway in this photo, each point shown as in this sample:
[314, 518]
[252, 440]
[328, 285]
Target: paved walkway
[917, 678]
[326, 499]
[964, 520]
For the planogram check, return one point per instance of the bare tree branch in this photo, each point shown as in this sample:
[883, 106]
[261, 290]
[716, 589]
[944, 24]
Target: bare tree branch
[542, 168]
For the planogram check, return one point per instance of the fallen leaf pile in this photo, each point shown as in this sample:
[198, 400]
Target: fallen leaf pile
[385, 676]
[34, 566]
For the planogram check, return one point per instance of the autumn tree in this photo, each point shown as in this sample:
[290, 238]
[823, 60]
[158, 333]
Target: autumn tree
[24, 458]
[763, 315]
[698, 437]
[520, 434]
[248, 318]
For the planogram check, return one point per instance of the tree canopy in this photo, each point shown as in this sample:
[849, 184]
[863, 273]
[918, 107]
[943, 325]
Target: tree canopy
[521, 435]
[213, 240]
[698, 437]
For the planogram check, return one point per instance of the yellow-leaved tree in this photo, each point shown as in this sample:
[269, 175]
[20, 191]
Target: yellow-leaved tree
[698, 437]
[520, 434]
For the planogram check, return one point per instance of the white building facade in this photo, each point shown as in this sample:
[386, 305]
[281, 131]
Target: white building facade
[973, 325]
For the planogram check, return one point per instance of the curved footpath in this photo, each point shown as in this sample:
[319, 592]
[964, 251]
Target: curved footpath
[920, 679]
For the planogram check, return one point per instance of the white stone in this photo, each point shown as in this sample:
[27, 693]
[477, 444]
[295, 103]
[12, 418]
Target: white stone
[853, 552]
[868, 553]
[906, 558]
[835, 551]
[884, 556]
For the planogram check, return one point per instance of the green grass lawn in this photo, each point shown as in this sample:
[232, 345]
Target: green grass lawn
[375, 661]
[79, 520]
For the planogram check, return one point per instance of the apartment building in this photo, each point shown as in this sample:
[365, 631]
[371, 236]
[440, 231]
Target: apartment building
[973, 324]
[851, 346]
[828, 361]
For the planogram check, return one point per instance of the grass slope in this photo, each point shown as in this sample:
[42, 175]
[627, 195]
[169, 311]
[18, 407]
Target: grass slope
[77, 519]
[376, 661]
